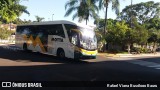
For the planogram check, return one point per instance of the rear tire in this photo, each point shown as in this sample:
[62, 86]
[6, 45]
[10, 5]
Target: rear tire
[61, 53]
[25, 47]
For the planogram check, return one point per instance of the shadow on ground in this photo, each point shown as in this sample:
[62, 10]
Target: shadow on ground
[71, 70]
[18, 55]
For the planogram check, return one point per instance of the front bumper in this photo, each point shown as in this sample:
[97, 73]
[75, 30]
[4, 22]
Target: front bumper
[84, 54]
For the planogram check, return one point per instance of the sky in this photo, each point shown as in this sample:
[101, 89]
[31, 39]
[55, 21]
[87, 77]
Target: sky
[55, 10]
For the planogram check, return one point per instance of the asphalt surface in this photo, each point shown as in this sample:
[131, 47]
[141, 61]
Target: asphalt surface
[16, 65]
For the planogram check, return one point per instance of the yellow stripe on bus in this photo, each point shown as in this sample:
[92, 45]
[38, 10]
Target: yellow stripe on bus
[86, 52]
[31, 41]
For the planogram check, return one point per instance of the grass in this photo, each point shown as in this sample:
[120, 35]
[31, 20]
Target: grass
[108, 52]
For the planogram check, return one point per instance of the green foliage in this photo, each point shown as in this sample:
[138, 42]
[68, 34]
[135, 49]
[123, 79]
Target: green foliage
[101, 22]
[153, 23]
[139, 32]
[11, 9]
[39, 19]
[117, 34]
[141, 50]
[105, 3]
[121, 34]
[4, 33]
[154, 36]
[84, 9]
[145, 26]
[130, 36]
[142, 11]
[18, 21]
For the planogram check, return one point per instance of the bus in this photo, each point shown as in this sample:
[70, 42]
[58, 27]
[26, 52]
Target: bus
[58, 38]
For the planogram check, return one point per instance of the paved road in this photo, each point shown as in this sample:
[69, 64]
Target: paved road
[17, 65]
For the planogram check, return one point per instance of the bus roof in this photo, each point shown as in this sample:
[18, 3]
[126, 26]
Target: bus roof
[49, 23]
[56, 22]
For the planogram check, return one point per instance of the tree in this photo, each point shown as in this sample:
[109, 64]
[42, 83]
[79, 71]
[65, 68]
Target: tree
[4, 33]
[116, 36]
[18, 21]
[142, 11]
[122, 35]
[146, 17]
[39, 19]
[153, 23]
[100, 24]
[105, 3]
[154, 38]
[130, 38]
[11, 9]
[84, 9]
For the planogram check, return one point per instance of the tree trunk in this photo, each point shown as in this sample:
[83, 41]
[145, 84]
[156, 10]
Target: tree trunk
[86, 21]
[154, 47]
[10, 25]
[129, 48]
[105, 24]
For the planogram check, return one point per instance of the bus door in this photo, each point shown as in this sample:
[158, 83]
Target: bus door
[51, 45]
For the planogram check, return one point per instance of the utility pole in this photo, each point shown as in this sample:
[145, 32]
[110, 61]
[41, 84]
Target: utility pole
[52, 17]
[131, 14]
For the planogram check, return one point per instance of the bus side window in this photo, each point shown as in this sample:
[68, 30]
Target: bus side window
[60, 30]
[69, 31]
[55, 30]
[19, 29]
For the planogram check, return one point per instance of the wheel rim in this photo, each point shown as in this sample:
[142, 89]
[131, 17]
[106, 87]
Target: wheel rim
[25, 47]
[61, 54]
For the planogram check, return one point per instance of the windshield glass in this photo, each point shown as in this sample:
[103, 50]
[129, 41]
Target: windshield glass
[82, 37]
[88, 39]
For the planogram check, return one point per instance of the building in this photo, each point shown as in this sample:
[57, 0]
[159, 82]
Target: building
[9, 26]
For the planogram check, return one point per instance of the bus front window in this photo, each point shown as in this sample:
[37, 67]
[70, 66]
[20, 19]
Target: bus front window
[82, 37]
[88, 39]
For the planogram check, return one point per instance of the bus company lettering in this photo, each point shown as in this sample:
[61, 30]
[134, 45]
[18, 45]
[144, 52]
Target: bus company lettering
[57, 39]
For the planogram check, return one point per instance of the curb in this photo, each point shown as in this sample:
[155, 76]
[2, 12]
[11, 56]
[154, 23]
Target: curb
[112, 55]
[109, 55]
[131, 55]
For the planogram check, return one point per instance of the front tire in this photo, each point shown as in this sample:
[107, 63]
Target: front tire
[93, 57]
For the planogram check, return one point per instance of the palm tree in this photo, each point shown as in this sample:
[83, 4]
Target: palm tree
[39, 19]
[105, 3]
[84, 9]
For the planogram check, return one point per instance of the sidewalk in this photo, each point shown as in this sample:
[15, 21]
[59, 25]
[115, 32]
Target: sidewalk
[130, 55]
[5, 44]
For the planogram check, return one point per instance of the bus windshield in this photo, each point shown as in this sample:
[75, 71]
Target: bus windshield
[88, 39]
[85, 38]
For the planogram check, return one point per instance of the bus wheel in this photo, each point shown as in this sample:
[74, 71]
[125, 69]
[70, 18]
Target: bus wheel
[60, 53]
[25, 47]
